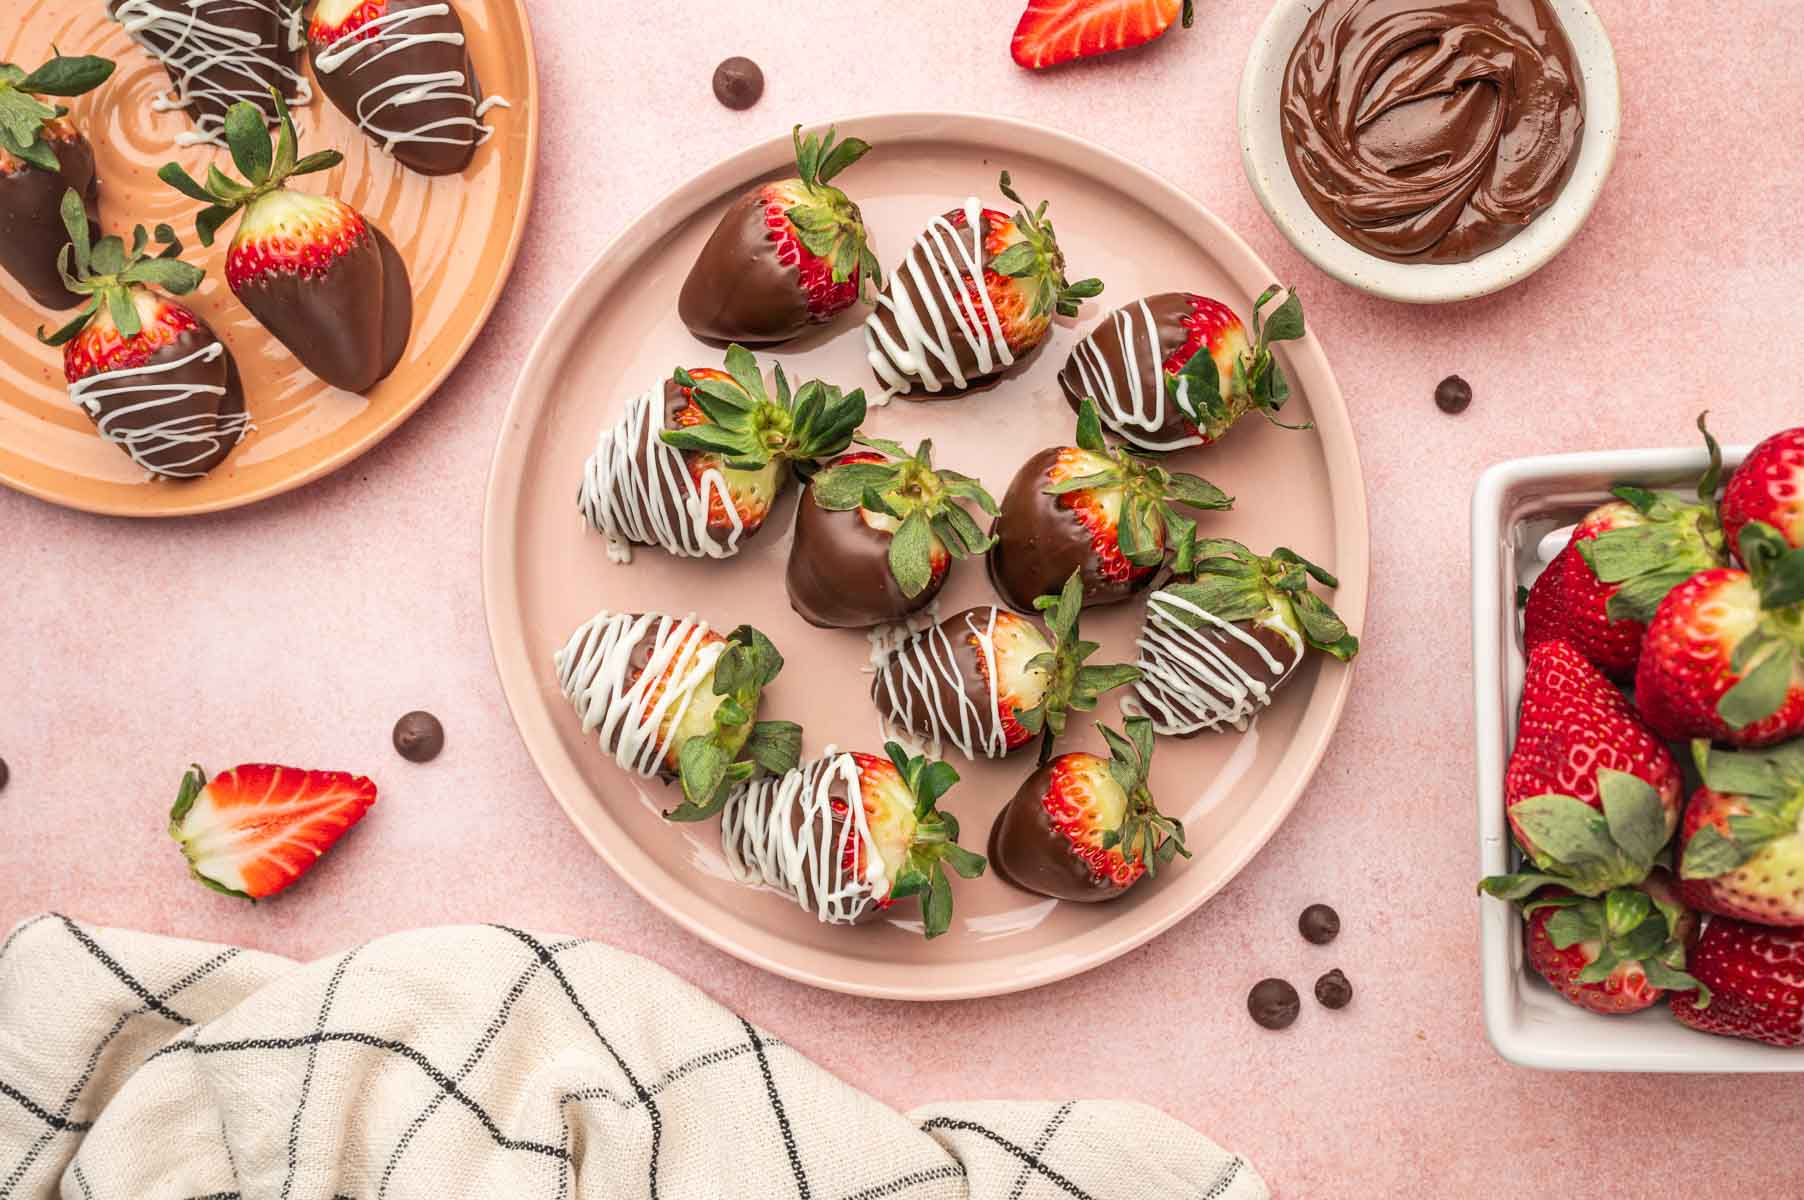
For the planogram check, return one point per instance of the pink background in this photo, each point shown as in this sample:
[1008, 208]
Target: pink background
[297, 631]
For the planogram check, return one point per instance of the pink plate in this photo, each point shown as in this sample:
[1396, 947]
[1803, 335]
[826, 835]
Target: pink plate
[544, 573]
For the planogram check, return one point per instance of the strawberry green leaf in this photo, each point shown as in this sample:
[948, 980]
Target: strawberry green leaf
[1089, 429]
[884, 446]
[1709, 854]
[702, 770]
[125, 313]
[68, 75]
[319, 160]
[1017, 260]
[247, 136]
[1767, 773]
[75, 326]
[1286, 323]
[1517, 886]
[1674, 980]
[1625, 909]
[1579, 923]
[172, 275]
[1564, 829]
[842, 488]
[911, 554]
[936, 907]
[776, 746]
[1784, 583]
[1760, 693]
[911, 880]
[934, 780]
[193, 781]
[965, 863]
[840, 157]
[1196, 492]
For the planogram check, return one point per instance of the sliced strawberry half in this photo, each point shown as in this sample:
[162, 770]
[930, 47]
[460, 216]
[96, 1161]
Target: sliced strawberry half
[255, 829]
[1052, 32]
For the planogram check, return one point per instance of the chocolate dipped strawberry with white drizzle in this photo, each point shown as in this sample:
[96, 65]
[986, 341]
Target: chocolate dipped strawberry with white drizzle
[977, 291]
[989, 682]
[849, 835]
[152, 376]
[670, 697]
[693, 466]
[219, 53]
[1217, 643]
[401, 71]
[42, 156]
[314, 272]
[786, 255]
[1176, 369]
[876, 533]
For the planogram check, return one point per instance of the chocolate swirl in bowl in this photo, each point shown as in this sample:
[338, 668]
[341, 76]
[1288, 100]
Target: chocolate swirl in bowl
[1428, 131]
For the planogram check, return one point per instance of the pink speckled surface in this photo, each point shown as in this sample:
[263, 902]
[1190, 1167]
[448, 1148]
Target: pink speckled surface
[299, 630]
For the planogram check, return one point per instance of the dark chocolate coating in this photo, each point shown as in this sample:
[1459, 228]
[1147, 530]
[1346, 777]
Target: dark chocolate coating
[902, 283]
[1040, 542]
[419, 736]
[374, 67]
[1453, 395]
[1274, 1003]
[233, 16]
[1027, 851]
[4, 774]
[839, 576]
[738, 291]
[1334, 990]
[31, 222]
[348, 325]
[1319, 924]
[972, 681]
[738, 82]
[204, 410]
[1169, 310]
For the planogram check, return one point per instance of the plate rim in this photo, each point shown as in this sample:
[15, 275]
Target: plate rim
[402, 412]
[500, 511]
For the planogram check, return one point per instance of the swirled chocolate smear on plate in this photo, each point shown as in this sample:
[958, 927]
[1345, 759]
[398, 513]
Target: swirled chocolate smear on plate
[1431, 132]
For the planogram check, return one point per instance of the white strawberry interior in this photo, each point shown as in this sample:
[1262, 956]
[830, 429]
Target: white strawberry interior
[1017, 642]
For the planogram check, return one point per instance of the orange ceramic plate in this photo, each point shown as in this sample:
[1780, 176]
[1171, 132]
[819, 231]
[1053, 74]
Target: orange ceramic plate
[459, 235]
[617, 333]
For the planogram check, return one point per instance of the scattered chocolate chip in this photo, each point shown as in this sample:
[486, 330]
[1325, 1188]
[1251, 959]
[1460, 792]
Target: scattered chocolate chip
[4, 774]
[1452, 395]
[1333, 990]
[1319, 924]
[1273, 1003]
[419, 737]
[738, 82]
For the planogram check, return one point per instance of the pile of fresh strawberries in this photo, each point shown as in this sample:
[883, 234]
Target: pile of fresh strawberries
[1696, 603]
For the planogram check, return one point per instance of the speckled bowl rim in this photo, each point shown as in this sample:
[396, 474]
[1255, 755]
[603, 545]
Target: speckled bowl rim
[1267, 169]
[522, 674]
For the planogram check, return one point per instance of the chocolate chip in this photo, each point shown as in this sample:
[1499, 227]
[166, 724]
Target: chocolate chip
[419, 737]
[1452, 395]
[1333, 990]
[4, 774]
[1273, 1003]
[738, 82]
[1319, 924]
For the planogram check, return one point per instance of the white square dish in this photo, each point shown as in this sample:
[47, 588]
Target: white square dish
[1514, 508]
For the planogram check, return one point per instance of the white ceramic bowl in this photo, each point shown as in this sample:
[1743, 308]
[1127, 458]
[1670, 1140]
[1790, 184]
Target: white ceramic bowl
[1262, 154]
[1516, 506]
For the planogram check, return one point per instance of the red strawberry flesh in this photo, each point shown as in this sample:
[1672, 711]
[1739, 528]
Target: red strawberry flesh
[255, 829]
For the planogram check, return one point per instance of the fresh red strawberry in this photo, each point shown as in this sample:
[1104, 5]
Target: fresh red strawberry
[148, 372]
[42, 156]
[1086, 828]
[1600, 592]
[1768, 487]
[1615, 954]
[255, 829]
[1052, 32]
[787, 254]
[1742, 844]
[1591, 793]
[1724, 655]
[328, 284]
[1101, 511]
[1755, 978]
[876, 534]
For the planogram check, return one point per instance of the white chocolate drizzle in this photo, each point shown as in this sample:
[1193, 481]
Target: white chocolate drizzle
[388, 34]
[622, 494]
[1188, 680]
[924, 669]
[208, 433]
[193, 47]
[636, 722]
[1137, 415]
[935, 265]
[780, 832]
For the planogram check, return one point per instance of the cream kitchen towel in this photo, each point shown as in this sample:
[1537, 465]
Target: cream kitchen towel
[456, 1064]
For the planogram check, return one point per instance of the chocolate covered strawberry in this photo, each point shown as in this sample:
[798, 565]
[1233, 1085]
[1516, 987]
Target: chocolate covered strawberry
[988, 681]
[1220, 640]
[1617, 953]
[1600, 592]
[1724, 655]
[150, 373]
[400, 70]
[849, 835]
[43, 155]
[1052, 32]
[876, 533]
[977, 291]
[1741, 848]
[218, 53]
[252, 831]
[1090, 508]
[1086, 828]
[694, 465]
[670, 697]
[1591, 793]
[1755, 982]
[1768, 487]
[786, 255]
[1177, 370]
[314, 272]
